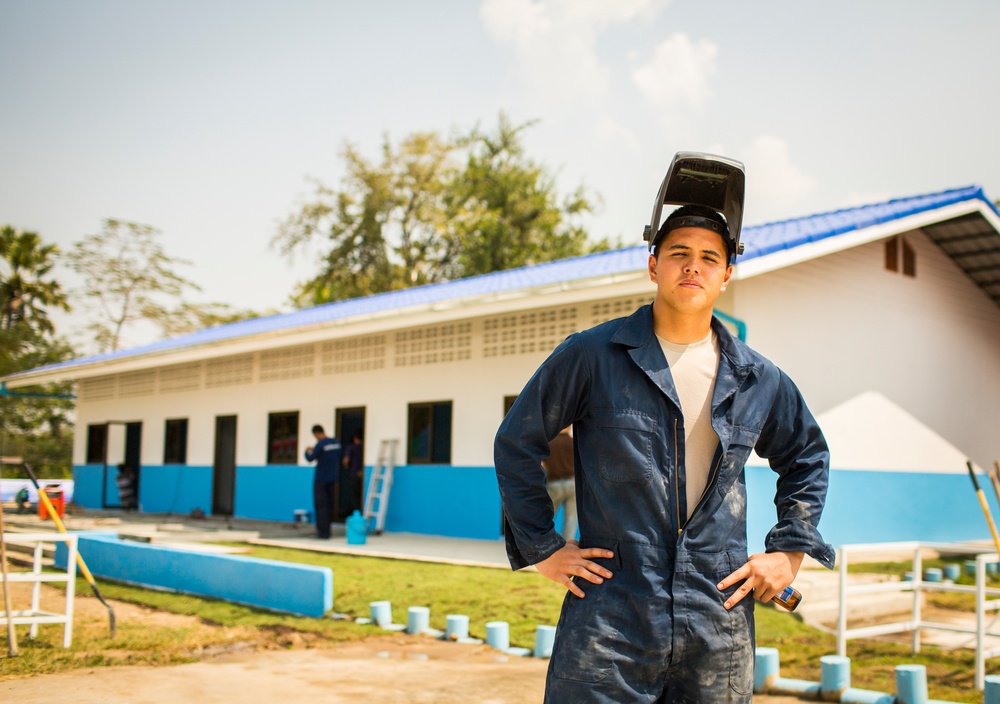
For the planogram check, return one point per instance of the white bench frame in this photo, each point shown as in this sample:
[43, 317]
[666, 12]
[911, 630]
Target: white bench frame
[35, 616]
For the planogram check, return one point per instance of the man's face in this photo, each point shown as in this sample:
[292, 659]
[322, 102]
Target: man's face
[690, 270]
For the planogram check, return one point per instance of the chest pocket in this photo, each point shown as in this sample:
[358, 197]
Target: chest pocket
[626, 455]
[741, 444]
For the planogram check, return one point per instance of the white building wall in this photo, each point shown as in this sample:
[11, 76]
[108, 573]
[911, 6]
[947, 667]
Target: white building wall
[843, 325]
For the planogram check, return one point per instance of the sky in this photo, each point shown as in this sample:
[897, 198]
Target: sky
[207, 118]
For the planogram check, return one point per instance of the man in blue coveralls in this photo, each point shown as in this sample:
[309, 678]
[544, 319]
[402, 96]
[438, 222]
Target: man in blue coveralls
[666, 407]
[326, 454]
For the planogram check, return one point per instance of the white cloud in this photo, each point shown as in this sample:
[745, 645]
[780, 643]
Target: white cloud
[774, 184]
[514, 21]
[609, 130]
[679, 72]
[555, 41]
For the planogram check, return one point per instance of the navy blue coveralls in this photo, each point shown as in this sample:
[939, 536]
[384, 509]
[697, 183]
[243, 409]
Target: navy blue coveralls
[657, 631]
[327, 453]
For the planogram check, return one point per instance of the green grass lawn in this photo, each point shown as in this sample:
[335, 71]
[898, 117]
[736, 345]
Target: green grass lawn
[523, 599]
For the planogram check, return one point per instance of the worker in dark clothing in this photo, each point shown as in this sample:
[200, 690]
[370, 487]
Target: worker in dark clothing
[666, 407]
[353, 474]
[326, 453]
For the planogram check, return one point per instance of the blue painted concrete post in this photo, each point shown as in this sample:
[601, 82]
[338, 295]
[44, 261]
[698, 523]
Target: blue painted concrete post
[381, 613]
[933, 574]
[457, 626]
[498, 635]
[545, 638]
[418, 620]
[992, 693]
[835, 676]
[765, 668]
[952, 571]
[911, 684]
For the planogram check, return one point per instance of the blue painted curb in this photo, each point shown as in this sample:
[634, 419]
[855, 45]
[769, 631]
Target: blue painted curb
[287, 587]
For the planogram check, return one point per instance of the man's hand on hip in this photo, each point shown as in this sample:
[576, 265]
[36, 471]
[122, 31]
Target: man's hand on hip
[572, 561]
[765, 574]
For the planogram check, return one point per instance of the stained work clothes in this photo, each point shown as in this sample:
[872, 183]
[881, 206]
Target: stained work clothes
[657, 631]
[327, 454]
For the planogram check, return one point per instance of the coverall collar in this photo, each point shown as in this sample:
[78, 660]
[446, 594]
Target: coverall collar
[735, 362]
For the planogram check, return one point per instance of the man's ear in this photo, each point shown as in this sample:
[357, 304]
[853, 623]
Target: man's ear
[651, 264]
[725, 281]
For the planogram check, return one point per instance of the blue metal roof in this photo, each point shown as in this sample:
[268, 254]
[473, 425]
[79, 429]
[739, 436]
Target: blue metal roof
[759, 240]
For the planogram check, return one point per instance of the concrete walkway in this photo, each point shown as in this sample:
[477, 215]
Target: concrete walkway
[405, 546]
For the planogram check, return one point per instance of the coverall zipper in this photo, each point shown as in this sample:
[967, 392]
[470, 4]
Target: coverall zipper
[677, 482]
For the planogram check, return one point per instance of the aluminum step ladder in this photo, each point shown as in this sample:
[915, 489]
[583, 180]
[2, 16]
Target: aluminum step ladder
[379, 484]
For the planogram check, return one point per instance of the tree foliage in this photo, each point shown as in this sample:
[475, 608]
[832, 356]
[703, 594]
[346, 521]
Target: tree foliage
[382, 226]
[502, 209]
[26, 288]
[35, 423]
[433, 209]
[128, 278]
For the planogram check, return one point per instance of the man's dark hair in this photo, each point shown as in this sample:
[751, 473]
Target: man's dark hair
[318, 429]
[689, 216]
[358, 435]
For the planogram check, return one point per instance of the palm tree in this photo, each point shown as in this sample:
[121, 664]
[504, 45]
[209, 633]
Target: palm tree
[25, 287]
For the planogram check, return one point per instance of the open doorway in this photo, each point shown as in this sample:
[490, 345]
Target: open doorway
[224, 467]
[122, 448]
[348, 422]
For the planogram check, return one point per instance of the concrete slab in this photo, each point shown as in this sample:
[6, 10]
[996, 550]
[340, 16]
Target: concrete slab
[406, 546]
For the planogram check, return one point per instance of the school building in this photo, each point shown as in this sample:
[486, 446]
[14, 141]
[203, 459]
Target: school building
[887, 316]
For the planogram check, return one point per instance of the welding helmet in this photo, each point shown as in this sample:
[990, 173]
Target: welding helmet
[697, 178]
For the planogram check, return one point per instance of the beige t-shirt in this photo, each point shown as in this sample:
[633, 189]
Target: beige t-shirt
[693, 368]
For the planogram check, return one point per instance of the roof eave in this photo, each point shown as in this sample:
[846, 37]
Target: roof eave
[848, 240]
[377, 322]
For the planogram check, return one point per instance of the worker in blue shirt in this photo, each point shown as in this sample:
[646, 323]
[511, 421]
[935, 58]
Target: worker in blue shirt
[326, 453]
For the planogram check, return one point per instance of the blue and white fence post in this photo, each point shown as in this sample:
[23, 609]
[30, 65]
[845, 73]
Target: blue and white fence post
[545, 638]
[498, 635]
[835, 677]
[911, 684]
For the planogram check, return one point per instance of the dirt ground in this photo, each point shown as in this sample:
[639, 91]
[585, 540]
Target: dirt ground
[391, 668]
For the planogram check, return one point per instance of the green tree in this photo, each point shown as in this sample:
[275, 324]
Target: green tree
[433, 209]
[382, 227]
[26, 286]
[35, 422]
[128, 278]
[503, 210]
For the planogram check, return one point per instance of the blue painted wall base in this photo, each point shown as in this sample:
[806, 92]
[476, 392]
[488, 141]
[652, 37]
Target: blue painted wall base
[464, 502]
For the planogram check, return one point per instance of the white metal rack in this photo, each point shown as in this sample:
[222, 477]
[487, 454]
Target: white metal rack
[35, 616]
[916, 623]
